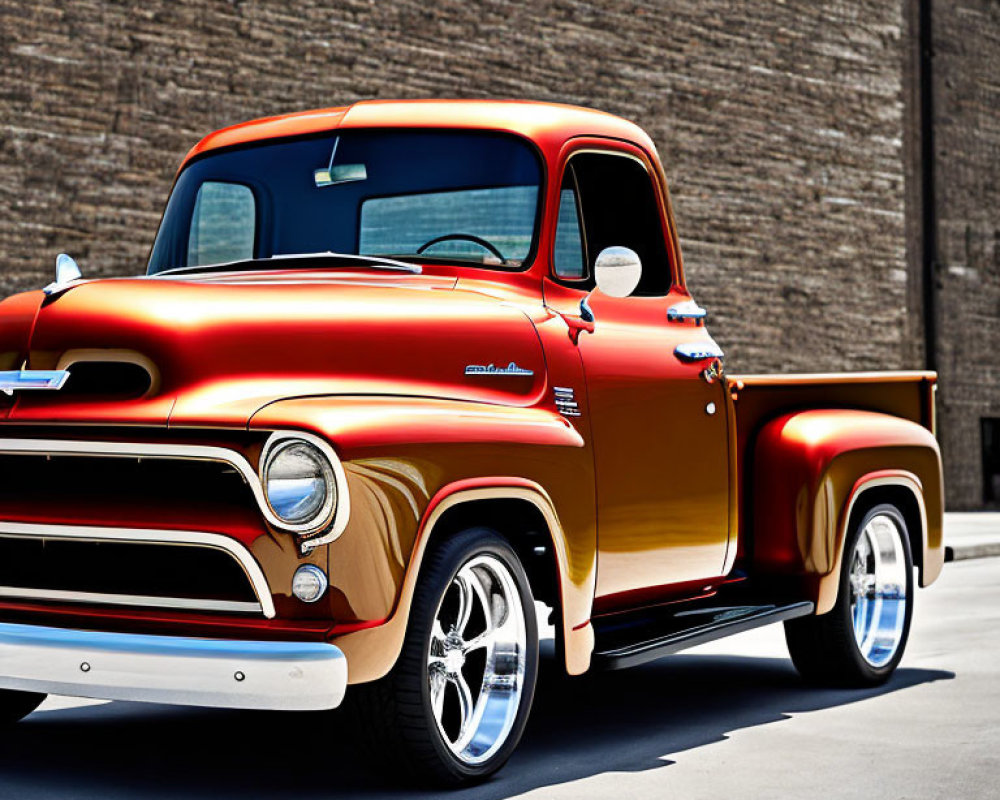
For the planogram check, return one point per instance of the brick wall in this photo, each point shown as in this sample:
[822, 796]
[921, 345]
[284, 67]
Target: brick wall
[781, 126]
[966, 35]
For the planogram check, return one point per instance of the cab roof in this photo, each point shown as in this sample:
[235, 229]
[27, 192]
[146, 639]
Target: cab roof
[547, 124]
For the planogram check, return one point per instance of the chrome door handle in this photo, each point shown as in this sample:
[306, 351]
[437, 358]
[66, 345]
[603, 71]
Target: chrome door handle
[698, 351]
[688, 309]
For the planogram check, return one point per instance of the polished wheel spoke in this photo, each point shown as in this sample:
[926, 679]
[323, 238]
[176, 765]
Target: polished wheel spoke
[438, 682]
[484, 639]
[466, 598]
[877, 582]
[466, 707]
[437, 633]
[475, 702]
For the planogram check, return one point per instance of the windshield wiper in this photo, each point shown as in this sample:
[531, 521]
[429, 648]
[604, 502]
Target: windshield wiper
[289, 259]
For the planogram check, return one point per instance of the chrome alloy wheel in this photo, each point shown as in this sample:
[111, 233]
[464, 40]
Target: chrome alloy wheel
[878, 583]
[476, 659]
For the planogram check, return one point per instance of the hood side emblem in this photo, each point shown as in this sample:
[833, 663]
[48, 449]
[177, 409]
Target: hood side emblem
[566, 401]
[490, 369]
[17, 380]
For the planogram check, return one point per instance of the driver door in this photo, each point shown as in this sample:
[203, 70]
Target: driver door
[659, 428]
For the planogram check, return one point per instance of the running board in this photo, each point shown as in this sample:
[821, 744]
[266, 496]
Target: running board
[722, 621]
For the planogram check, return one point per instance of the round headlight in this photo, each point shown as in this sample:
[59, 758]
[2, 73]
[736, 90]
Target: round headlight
[299, 483]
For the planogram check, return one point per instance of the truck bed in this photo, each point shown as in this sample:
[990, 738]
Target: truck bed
[759, 399]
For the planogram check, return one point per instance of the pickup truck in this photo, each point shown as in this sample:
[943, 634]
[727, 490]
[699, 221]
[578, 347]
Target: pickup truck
[400, 379]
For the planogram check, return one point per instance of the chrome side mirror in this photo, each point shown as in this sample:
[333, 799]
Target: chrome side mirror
[617, 271]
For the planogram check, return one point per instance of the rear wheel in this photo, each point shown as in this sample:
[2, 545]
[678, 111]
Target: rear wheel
[15, 706]
[455, 705]
[861, 641]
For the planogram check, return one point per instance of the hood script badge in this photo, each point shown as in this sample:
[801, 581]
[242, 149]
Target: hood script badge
[490, 369]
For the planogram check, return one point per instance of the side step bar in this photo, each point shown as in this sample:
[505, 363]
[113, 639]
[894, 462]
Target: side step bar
[723, 621]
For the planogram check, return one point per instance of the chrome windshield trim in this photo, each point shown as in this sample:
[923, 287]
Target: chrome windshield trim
[206, 453]
[350, 259]
[218, 541]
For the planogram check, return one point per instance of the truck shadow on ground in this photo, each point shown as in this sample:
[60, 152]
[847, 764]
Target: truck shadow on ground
[619, 721]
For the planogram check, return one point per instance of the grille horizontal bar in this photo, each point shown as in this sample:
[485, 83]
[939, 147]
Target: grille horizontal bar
[130, 567]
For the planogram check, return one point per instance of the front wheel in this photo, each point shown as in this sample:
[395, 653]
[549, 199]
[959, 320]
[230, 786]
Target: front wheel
[861, 640]
[456, 703]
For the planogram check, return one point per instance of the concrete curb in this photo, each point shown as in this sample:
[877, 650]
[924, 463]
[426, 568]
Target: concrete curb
[985, 548]
[971, 534]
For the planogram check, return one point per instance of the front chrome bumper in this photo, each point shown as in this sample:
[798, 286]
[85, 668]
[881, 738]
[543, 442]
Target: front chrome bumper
[287, 676]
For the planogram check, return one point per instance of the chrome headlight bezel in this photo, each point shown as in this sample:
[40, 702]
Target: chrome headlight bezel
[331, 517]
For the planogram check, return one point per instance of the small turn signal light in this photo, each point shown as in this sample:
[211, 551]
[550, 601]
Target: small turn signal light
[309, 583]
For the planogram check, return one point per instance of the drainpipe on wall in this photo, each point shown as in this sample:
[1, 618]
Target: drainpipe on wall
[929, 255]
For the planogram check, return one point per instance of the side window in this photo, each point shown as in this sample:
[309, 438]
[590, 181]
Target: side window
[619, 208]
[568, 259]
[223, 224]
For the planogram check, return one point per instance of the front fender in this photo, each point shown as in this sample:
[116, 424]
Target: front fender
[812, 468]
[409, 459]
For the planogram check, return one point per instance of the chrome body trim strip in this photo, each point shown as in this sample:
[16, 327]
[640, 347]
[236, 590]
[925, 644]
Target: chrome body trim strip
[25, 530]
[285, 676]
[207, 453]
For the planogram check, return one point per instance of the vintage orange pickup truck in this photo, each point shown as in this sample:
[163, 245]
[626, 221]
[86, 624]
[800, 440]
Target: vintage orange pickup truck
[396, 373]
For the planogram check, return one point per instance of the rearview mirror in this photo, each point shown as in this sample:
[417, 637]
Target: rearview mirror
[341, 173]
[617, 271]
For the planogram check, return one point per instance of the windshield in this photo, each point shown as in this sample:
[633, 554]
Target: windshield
[462, 197]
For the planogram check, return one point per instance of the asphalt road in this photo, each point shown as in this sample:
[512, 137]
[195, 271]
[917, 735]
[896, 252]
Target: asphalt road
[728, 720]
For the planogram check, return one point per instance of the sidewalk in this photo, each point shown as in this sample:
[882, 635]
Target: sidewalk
[973, 534]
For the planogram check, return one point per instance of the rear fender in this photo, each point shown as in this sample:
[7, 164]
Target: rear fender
[814, 470]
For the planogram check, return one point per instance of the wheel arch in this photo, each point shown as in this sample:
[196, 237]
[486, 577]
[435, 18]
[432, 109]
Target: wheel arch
[523, 525]
[506, 505]
[815, 470]
[901, 490]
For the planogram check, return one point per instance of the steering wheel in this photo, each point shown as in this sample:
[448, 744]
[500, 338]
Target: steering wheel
[464, 237]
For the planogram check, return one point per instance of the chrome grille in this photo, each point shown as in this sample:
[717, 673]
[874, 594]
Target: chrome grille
[129, 567]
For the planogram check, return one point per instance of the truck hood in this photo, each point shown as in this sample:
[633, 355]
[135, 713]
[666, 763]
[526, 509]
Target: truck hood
[211, 352]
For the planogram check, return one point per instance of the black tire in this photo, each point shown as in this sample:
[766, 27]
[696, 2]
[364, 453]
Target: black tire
[824, 648]
[15, 706]
[394, 715]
